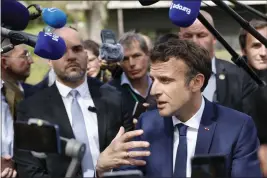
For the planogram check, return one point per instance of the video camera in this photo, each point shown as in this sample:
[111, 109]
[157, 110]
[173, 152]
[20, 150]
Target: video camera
[43, 138]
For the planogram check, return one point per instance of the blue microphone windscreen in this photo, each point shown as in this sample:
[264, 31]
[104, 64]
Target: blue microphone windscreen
[183, 13]
[15, 16]
[54, 17]
[50, 46]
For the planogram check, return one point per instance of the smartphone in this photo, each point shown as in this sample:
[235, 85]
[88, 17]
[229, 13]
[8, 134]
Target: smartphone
[43, 138]
[210, 166]
[124, 174]
[139, 108]
[108, 36]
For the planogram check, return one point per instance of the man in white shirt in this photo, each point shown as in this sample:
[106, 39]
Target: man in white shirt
[83, 108]
[185, 124]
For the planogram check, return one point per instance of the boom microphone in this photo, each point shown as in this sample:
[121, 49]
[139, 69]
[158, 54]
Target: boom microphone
[236, 58]
[244, 24]
[250, 9]
[148, 2]
[46, 45]
[15, 16]
[183, 13]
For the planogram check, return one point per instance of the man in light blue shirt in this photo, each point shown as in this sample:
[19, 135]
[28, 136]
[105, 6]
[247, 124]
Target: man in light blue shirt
[6, 139]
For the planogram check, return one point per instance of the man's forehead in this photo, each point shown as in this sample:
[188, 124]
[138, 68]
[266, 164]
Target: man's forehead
[69, 35]
[196, 26]
[252, 39]
[164, 68]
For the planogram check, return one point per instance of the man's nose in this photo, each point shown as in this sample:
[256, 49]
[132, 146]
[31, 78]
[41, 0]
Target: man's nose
[263, 51]
[131, 61]
[154, 91]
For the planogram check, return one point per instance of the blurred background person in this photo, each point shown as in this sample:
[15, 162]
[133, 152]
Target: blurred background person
[15, 69]
[256, 54]
[134, 82]
[228, 85]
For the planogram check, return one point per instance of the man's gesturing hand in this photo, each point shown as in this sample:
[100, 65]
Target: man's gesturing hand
[118, 154]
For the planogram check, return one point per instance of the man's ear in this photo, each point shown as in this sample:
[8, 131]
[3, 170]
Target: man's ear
[4, 62]
[197, 82]
[244, 52]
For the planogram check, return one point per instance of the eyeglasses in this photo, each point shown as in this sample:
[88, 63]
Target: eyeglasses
[26, 56]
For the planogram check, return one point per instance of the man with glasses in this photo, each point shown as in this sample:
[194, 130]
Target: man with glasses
[15, 68]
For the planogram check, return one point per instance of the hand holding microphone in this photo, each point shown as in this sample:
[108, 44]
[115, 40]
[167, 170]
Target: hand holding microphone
[46, 45]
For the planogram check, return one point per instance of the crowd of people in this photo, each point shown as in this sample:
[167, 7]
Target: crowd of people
[196, 104]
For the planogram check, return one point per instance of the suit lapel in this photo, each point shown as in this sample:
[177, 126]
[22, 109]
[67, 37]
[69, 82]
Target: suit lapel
[59, 113]
[221, 82]
[101, 111]
[167, 155]
[206, 129]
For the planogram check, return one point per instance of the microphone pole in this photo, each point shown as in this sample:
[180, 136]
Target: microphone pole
[250, 9]
[236, 58]
[244, 24]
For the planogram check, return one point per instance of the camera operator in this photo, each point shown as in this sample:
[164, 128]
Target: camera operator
[134, 82]
[82, 107]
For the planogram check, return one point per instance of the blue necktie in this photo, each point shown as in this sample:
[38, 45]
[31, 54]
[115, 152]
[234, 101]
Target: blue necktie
[181, 155]
[80, 132]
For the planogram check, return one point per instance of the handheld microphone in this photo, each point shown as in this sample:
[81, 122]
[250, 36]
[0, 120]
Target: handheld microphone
[46, 45]
[148, 2]
[183, 13]
[15, 16]
[54, 17]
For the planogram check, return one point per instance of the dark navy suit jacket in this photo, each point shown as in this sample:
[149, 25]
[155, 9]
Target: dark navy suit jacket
[222, 131]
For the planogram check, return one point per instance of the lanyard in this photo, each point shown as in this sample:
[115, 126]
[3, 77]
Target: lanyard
[133, 95]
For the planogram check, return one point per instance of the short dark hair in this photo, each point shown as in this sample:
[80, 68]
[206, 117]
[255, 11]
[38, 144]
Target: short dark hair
[166, 37]
[128, 38]
[257, 24]
[195, 57]
[91, 46]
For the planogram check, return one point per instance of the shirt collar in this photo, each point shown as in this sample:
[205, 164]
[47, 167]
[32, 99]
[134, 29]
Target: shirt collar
[125, 80]
[64, 90]
[194, 121]
[213, 66]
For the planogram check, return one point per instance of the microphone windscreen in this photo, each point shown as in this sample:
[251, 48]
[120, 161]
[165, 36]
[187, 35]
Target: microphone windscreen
[15, 16]
[148, 2]
[54, 17]
[183, 13]
[50, 46]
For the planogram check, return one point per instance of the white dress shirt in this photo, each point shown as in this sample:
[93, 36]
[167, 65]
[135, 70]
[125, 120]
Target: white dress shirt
[191, 136]
[125, 80]
[85, 100]
[7, 131]
[211, 87]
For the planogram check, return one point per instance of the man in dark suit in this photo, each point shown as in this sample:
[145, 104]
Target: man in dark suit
[229, 85]
[83, 108]
[256, 55]
[186, 124]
